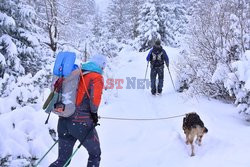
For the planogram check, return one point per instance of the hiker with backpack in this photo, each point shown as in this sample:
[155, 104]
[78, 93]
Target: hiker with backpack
[81, 124]
[157, 56]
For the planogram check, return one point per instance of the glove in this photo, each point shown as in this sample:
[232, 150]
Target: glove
[94, 117]
[167, 65]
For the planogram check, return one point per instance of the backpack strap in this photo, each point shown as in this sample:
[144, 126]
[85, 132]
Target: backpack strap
[157, 57]
[84, 83]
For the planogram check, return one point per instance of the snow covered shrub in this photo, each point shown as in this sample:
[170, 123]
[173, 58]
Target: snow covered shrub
[238, 84]
[22, 54]
[23, 139]
[23, 90]
[214, 61]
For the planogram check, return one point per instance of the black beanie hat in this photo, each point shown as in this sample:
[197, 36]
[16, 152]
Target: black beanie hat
[157, 42]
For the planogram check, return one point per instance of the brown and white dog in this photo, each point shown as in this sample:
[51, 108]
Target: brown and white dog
[193, 127]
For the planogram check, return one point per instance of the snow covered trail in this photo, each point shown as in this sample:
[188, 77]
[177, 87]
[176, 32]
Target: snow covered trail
[162, 143]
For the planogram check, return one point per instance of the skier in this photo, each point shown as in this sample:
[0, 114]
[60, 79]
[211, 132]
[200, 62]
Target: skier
[79, 126]
[157, 55]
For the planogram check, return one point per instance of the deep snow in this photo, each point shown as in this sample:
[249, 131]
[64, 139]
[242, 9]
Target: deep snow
[162, 143]
[140, 143]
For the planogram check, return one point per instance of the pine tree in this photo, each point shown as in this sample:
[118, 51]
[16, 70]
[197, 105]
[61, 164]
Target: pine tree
[21, 58]
[117, 20]
[19, 38]
[98, 40]
[133, 16]
[176, 23]
[149, 27]
[20, 49]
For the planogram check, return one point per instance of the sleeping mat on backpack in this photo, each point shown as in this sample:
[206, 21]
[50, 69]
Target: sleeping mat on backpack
[64, 64]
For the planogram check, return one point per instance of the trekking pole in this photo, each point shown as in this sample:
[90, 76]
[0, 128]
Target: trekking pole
[46, 154]
[47, 120]
[81, 142]
[146, 71]
[171, 78]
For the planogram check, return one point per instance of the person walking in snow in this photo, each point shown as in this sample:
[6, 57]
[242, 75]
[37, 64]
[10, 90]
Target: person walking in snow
[157, 56]
[79, 126]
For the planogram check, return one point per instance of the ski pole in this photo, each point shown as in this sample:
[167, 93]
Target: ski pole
[47, 120]
[67, 162]
[46, 154]
[171, 78]
[146, 71]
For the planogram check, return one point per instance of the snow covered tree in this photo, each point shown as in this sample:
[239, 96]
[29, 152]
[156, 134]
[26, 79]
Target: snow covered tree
[148, 25]
[97, 40]
[134, 9]
[238, 52]
[218, 40]
[140, 23]
[51, 23]
[21, 50]
[117, 20]
[22, 57]
[76, 18]
[100, 41]
[173, 21]
[18, 38]
[67, 22]
[161, 19]
[98, 23]
[176, 23]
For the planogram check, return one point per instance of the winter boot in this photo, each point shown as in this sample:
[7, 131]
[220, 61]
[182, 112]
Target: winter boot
[159, 91]
[153, 91]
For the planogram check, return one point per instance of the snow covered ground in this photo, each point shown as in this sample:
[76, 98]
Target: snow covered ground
[140, 143]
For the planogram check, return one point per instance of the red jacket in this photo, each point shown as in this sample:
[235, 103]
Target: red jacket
[87, 102]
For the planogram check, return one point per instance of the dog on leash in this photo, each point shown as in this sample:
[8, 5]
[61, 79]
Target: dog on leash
[193, 127]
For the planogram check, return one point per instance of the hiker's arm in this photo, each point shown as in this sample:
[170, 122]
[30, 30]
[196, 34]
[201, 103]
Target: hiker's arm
[166, 58]
[96, 93]
[149, 54]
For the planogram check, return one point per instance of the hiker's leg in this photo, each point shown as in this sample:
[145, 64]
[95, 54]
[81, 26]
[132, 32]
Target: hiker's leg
[65, 144]
[92, 145]
[89, 138]
[160, 73]
[153, 74]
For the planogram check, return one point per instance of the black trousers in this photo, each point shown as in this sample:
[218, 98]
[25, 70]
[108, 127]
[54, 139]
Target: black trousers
[157, 71]
[69, 132]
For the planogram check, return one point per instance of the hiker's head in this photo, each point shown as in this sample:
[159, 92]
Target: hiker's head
[157, 43]
[99, 59]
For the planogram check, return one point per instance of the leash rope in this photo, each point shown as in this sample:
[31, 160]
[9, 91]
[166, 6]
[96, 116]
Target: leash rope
[141, 119]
